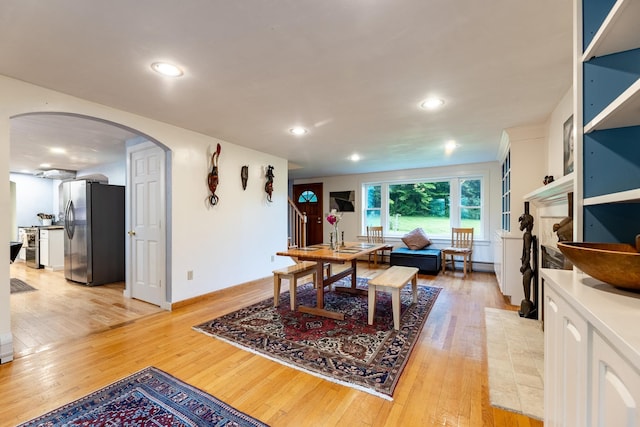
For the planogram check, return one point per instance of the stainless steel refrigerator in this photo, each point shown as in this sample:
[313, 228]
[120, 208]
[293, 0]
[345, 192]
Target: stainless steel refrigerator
[94, 228]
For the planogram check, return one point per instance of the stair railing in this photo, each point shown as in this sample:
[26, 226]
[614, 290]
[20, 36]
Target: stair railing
[297, 227]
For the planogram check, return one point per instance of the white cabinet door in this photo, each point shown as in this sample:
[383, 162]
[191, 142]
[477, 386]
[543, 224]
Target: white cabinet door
[552, 360]
[56, 249]
[616, 387]
[574, 365]
[44, 247]
[566, 349]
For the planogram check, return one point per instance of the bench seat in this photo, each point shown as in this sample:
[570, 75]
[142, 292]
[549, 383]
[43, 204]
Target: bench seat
[292, 274]
[392, 279]
[426, 260]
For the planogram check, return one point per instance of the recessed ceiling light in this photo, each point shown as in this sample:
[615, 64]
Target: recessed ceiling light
[355, 157]
[450, 146]
[57, 150]
[45, 165]
[431, 103]
[298, 130]
[167, 69]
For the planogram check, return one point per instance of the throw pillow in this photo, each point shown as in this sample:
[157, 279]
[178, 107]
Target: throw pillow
[416, 239]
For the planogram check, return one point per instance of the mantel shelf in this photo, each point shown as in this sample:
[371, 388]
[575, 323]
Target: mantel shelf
[551, 193]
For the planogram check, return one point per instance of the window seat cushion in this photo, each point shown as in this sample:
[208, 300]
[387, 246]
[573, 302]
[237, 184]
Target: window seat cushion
[426, 260]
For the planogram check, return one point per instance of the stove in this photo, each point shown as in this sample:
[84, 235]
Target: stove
[32, 248]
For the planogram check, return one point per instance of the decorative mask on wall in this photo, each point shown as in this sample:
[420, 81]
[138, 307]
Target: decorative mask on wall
[268, 187]
[212, 178]
[244, 176]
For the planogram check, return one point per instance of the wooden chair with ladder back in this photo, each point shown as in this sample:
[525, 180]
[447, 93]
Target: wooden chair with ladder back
[461, 246]
[375, 235]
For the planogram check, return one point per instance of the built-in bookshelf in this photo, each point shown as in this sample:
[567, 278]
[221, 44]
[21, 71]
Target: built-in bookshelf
[611, 101]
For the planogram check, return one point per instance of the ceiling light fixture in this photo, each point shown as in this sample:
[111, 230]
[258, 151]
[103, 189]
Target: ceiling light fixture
[167, 69]
[355, 157]
[298, 130]
[57, 150]
[450, 146]
[431, 103]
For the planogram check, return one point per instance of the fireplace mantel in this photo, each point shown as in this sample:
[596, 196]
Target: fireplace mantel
[553, 193]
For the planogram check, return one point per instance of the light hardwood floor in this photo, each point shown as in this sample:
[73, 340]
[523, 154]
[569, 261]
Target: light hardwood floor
[61, 310]
[445, 382]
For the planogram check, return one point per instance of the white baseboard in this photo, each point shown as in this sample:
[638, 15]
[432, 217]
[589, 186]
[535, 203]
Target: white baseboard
[6, 348]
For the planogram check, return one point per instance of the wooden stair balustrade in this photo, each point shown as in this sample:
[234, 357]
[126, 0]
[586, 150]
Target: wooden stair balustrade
[297, 227]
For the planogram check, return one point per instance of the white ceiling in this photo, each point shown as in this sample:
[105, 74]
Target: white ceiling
[351, 71]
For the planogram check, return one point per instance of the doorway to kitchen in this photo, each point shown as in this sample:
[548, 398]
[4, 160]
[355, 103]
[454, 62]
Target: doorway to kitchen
[93, 136]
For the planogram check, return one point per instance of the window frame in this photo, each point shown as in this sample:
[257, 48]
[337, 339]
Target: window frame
[455, 202]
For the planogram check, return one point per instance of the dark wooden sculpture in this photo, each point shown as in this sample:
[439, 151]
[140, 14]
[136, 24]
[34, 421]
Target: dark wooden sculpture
[564, 229]
[244, 176]
[213, 177]
[529, 271]
[268, 187]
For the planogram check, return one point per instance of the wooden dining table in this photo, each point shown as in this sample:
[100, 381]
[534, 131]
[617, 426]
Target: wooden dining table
[322, 253]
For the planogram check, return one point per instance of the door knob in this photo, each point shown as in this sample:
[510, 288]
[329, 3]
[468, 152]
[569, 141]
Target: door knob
[131, 233]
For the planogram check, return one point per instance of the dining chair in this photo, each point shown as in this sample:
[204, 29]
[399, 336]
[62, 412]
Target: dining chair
[461, 246]
[375, 235]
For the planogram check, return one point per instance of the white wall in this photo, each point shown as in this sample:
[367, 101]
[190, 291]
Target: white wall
[564, 110]
[33, 195]
[352, 224]
[6, 340]
[225, 245]
[116, 172]
[555, 155]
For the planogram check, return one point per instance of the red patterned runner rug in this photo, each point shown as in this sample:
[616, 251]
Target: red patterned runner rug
[349, 352]
[149, 397]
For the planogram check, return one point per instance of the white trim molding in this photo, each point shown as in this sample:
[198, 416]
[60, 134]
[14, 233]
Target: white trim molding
[6, 348]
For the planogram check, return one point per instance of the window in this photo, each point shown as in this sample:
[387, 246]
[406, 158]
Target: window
[308, 196]
[506, 193]
[433, 205]
[470, 203]
[420, 204]
[372, 206]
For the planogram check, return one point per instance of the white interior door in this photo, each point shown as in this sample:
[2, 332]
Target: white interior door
[147, 225]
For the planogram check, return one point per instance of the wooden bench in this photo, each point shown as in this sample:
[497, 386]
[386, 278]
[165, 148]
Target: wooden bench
[393, 279]
[292, 274]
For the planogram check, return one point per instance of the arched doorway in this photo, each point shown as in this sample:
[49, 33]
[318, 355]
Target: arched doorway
[83, 140]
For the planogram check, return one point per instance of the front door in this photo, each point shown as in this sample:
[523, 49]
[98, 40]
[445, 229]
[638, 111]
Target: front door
[308, 198]
[147, 279]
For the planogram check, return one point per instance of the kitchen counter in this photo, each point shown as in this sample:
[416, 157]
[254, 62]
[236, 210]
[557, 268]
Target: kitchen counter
[44, 227]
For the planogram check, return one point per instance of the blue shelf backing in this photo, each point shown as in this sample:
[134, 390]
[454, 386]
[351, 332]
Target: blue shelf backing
[611, 161]
[611, 223]
[606, 77]
[594, 13]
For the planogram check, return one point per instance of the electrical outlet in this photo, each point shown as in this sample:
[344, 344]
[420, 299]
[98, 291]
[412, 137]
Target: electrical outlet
[273, 258]
[190, 275]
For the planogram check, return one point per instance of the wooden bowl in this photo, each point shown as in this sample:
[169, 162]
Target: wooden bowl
[617, 264]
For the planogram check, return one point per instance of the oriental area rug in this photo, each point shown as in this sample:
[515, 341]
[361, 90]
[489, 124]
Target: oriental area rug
[150, 397]
[349, 352]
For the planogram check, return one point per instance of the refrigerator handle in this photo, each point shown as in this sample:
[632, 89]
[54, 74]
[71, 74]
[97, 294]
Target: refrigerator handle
[69, 220]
